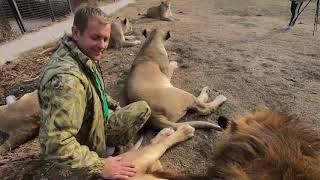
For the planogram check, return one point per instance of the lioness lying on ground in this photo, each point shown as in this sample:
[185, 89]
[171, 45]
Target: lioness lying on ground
[266, 146]
[162, 12]
[19, 121]
[117, 37]
[146, 159]
[149, 80]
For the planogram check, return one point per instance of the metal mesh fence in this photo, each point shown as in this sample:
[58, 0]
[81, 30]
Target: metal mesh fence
[8, 23]
[32, 14]
[38, 13]
[60, 8]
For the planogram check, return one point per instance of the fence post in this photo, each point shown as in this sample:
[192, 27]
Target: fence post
[17, 15]
[51, 11]
[70, 7]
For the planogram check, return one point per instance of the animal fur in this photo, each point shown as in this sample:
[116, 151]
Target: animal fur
[162, 12]
[149, 80]
[266, 146]
[117, 36]
[19, 121]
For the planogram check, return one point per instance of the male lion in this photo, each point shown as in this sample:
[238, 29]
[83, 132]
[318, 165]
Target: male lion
[162, 12]
[19, 121]
[268, 145]
[149, 80]
[117, 37]
[265, 145]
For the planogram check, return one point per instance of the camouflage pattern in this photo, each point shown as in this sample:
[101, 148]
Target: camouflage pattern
[123, 125]
[72, 129]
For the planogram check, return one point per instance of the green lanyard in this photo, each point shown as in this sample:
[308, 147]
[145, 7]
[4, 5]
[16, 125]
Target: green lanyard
[103, 97]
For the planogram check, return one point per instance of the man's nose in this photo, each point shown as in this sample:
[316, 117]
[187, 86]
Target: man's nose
[102, 44]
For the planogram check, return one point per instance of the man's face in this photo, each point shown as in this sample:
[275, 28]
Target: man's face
[94, 40]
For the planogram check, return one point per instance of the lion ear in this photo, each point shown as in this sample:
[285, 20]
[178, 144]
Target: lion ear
[233, 127]
[145, 33]
[223, 122]
[125, 21]
[168, 35]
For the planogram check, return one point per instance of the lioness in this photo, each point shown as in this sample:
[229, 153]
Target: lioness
[149, 80]
[19, 121]
[146, 159]
[117, 37]
[162, 12]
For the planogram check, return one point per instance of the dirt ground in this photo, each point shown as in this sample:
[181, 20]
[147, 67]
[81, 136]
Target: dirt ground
[235, 47]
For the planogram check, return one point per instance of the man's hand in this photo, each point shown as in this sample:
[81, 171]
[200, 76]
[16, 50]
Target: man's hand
[117, 168]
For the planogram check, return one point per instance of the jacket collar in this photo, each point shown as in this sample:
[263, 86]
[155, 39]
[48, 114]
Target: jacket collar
[77, 54]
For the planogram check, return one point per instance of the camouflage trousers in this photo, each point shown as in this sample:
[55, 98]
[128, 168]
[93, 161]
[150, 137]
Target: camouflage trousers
[123, 125]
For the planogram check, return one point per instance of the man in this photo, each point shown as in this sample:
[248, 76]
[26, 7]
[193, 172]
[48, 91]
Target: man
[295, 10]
[77, 125]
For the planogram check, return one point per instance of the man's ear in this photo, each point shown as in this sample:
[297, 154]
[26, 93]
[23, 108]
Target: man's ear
[125, 21]
[168, 35]
[145, 33]
[75, 33]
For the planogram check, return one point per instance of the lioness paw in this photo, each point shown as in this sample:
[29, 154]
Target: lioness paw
[174, 64]
[220, 99]
[206, 89]
[166, 131]
[186, 130]
[136, 42]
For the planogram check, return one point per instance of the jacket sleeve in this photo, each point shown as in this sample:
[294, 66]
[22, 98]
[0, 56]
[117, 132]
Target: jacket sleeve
[113, 104]
[63, 103]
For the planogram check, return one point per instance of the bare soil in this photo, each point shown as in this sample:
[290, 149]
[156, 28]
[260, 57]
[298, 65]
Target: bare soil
[235, 47]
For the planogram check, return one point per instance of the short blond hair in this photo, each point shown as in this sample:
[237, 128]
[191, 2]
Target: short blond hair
[84, 13]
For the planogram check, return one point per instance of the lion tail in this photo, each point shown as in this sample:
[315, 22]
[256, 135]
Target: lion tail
[203, 125]
[177, 176]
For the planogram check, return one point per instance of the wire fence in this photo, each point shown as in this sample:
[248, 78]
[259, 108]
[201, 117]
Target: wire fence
[8, 22]
[19, 16]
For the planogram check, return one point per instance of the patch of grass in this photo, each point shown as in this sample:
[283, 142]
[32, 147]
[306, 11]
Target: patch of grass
[258, 8]
[246, 24]
[19, 89]
[133, 21]
[133, 33]
[184, 66]
[224, 111]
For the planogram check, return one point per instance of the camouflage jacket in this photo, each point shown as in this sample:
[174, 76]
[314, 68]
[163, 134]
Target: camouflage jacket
[72, 133]
[298, 1]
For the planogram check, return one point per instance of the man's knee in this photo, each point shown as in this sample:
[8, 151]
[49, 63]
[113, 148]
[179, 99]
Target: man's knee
[130, 121]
